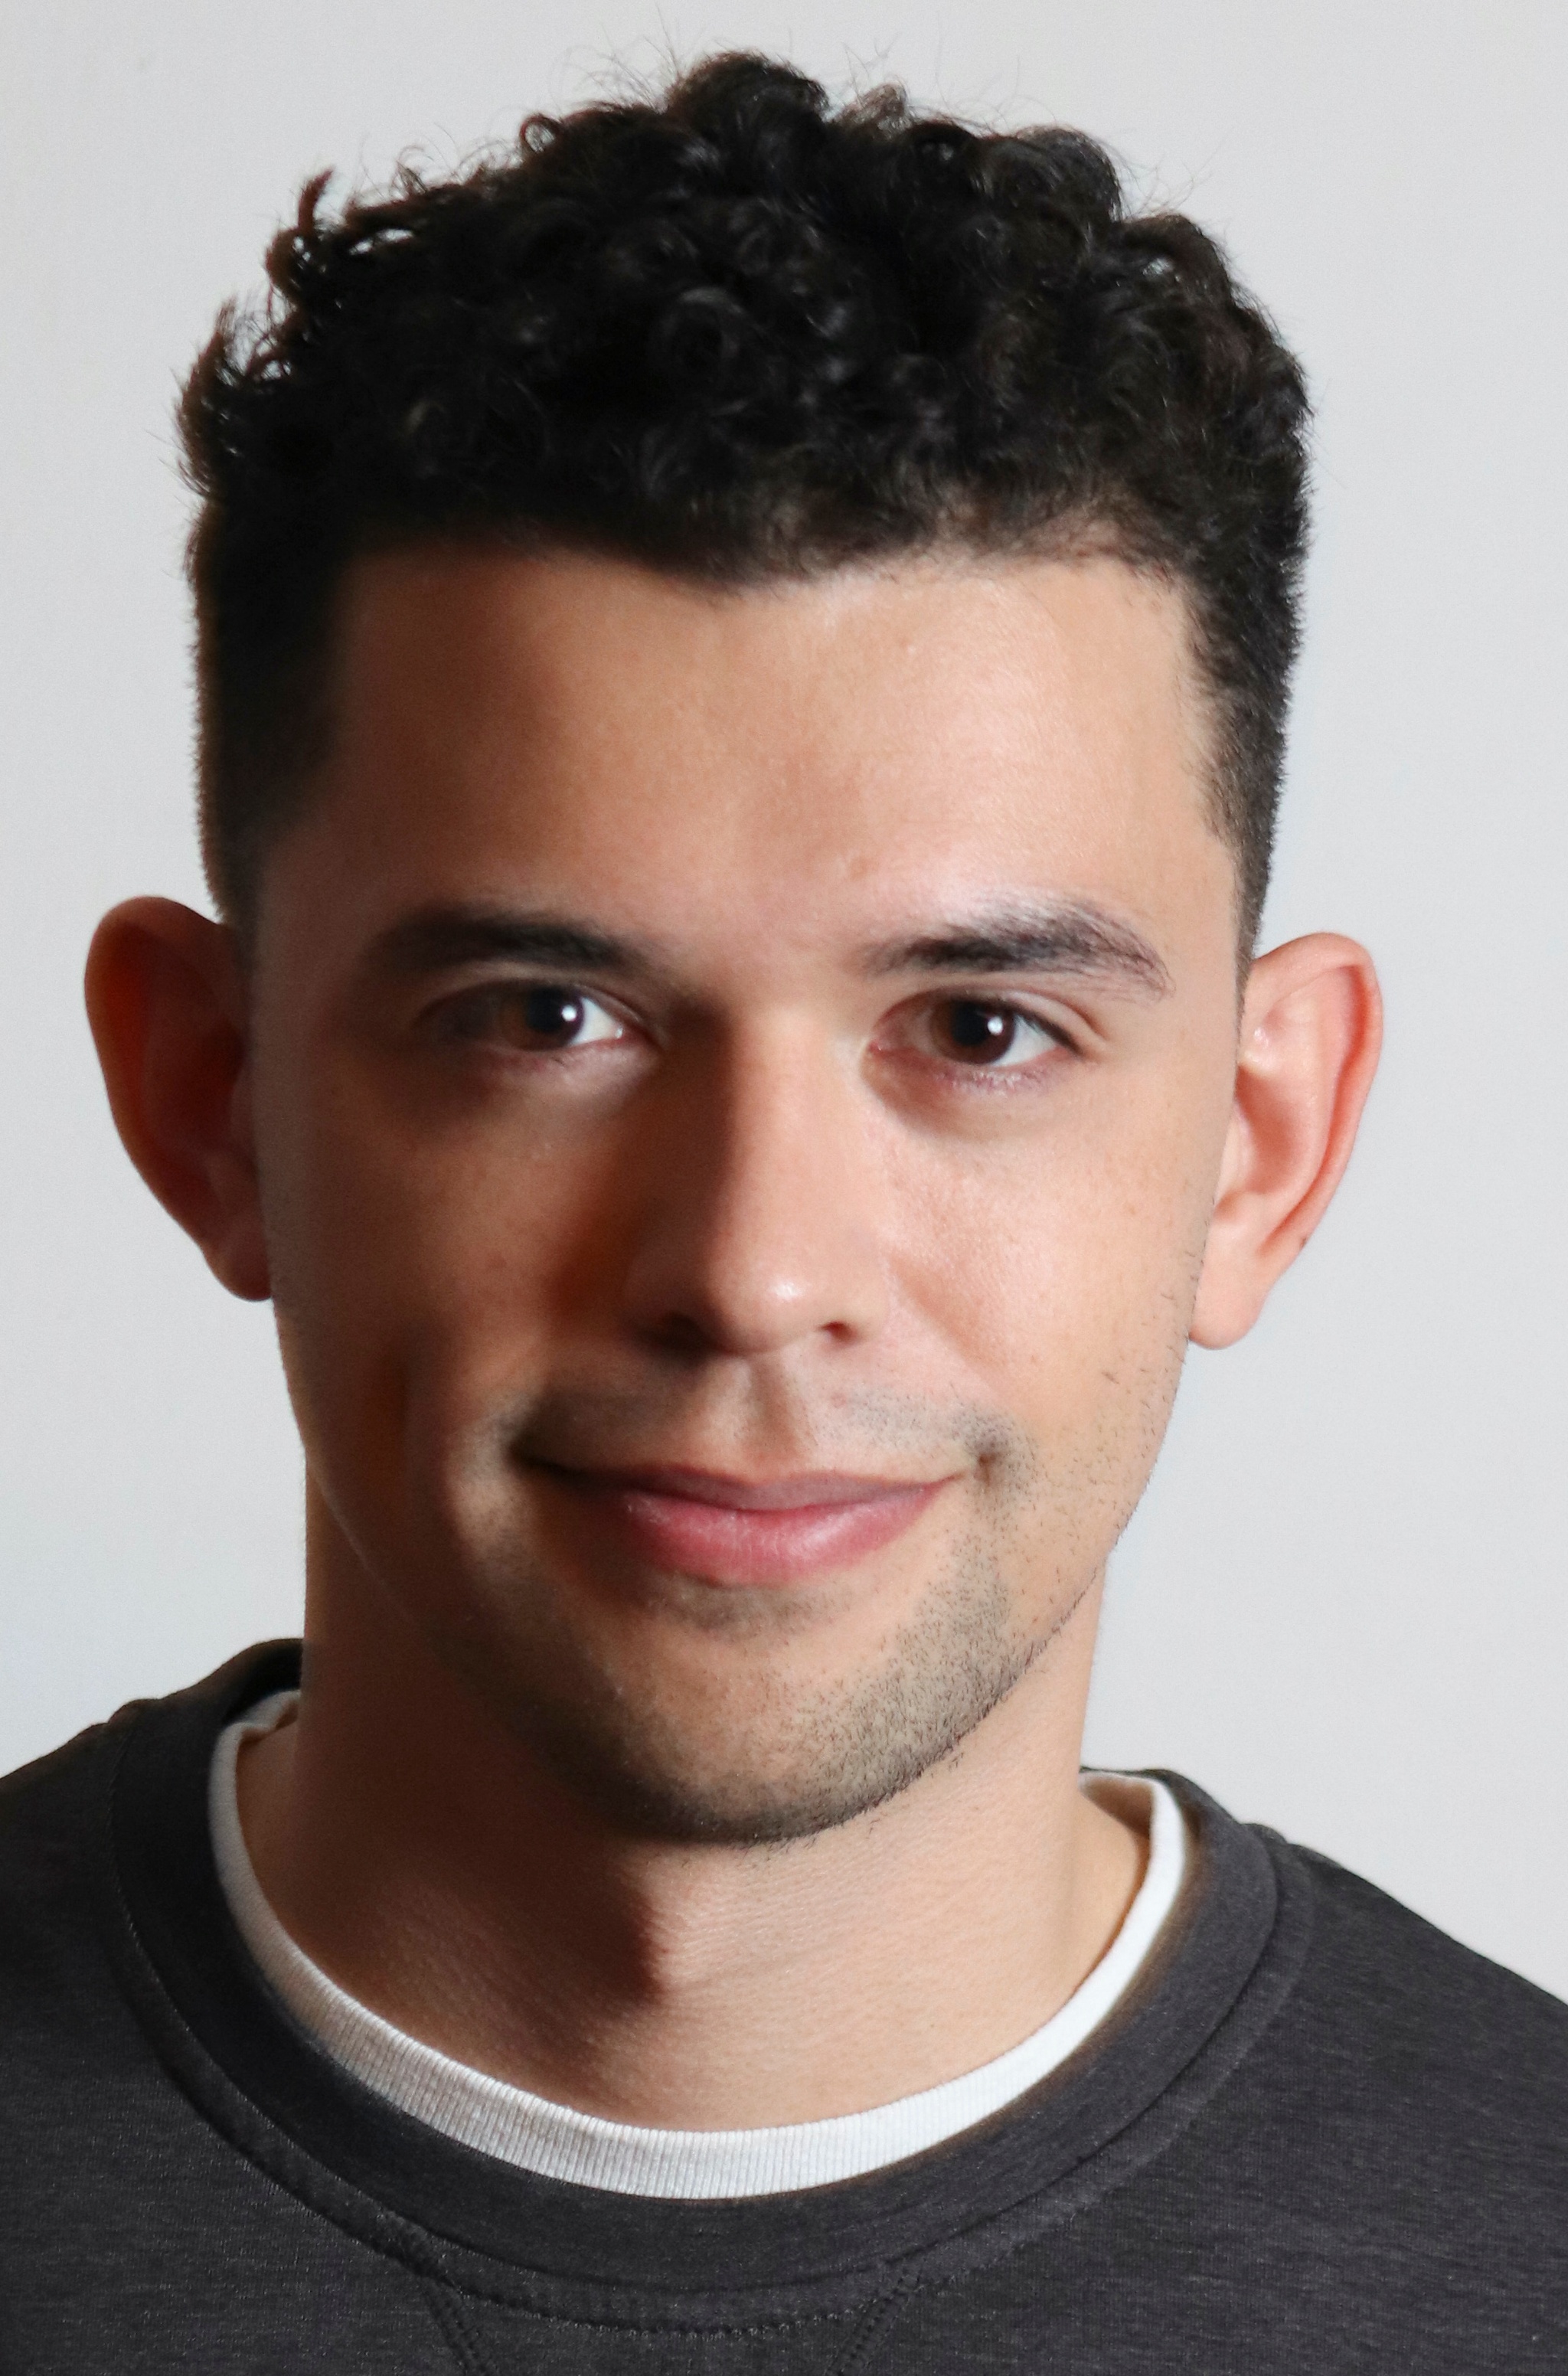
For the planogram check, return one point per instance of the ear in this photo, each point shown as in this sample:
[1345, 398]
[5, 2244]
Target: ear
[1312, 1025]
[166, 1000]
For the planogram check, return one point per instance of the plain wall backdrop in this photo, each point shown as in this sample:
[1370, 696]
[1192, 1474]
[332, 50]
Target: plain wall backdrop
[1341, 1606]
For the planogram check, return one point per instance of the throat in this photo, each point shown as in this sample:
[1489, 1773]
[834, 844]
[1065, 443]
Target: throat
[699, 1992]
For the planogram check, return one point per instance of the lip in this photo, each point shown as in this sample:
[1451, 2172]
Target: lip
[736, 1530]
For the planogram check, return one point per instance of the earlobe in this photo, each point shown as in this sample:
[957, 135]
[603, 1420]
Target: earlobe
[1310, 1031]
[166, 1001]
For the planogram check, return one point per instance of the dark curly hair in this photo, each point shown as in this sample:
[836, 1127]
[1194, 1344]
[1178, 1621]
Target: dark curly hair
[739, 335]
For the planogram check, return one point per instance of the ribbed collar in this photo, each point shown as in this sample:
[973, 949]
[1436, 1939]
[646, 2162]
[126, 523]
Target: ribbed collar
[1224, 1966]
[690, 2165]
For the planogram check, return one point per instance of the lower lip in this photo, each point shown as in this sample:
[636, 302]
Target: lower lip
[720, 1544]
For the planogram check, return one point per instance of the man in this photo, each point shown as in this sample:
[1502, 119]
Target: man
[743, 660]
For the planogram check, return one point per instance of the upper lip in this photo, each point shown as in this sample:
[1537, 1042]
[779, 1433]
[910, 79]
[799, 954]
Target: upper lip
[816, 1490]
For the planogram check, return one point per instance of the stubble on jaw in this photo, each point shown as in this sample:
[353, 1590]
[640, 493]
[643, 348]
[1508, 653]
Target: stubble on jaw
[823, 1756]
[775, 1760]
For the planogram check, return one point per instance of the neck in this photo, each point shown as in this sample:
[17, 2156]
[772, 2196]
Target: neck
[425, 1857]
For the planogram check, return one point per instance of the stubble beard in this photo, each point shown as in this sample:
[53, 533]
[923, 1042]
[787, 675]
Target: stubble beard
[763, 1756]
[774, 1761]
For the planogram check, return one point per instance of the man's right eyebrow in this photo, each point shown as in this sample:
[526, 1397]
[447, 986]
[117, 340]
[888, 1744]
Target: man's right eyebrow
[435, 939]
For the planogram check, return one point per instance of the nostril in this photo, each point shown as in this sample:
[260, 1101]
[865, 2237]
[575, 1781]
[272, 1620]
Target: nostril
[681, 1332]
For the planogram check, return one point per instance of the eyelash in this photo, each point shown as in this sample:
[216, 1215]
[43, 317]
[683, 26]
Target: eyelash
[467, 1015]
[471, 1017]
[998, 1020]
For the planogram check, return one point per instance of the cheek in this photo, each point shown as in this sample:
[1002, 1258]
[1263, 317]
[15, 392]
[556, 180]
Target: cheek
[419, 1276]
[1063, 1274]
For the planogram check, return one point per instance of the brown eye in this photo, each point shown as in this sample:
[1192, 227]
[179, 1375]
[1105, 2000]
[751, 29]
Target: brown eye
[968, 1031]
[535, 1018]
[541, 1018]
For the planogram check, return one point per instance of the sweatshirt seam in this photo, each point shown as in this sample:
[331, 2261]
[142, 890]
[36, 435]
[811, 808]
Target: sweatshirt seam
[908, 2283]
[670, 2331]
[422, 2251]
[418, 2250]
[307, 2177]
[446, 2314]
[1074, 2211]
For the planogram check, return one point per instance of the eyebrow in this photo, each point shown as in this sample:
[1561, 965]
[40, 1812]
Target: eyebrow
[437, 938]
[1074, 938]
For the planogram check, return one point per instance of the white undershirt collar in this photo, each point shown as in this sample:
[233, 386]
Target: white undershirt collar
[693, 2164]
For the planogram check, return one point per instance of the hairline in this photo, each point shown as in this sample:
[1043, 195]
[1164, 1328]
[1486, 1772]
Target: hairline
[1074, 539]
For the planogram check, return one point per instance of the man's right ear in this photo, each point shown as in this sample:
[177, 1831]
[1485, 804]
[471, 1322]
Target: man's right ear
[166, 1000]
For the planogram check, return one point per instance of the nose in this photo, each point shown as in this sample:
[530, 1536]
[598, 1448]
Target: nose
[758, 1227]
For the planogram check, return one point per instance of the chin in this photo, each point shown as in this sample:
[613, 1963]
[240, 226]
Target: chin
[757, 1755]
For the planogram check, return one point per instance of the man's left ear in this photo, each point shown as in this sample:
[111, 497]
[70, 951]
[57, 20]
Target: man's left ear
[1311, 1026]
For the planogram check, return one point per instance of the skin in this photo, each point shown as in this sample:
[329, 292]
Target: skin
[874, 1148]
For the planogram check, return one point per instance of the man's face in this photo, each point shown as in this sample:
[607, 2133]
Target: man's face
[739, 1084]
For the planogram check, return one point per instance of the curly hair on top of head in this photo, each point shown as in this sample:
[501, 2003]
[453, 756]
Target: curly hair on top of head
[739, 333]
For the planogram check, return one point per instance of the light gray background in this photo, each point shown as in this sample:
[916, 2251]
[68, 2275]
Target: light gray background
[1342, 1605]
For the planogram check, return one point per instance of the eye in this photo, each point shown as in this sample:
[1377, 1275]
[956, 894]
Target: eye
[988, 1034]
[535, 1018]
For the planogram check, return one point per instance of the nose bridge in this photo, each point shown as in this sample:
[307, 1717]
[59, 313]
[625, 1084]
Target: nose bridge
[761, 1227]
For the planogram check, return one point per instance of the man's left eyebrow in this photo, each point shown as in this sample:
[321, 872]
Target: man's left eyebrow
[1074, 939]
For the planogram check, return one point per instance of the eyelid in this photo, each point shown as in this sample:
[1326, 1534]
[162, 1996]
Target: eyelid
[495, 982]
[465, 982]
[1057, 1022]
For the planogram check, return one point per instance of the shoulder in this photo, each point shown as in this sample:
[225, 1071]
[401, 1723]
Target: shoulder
[1420, 1995]
[50, 1810]
[85, 2090]
[64, 2035]
[1426, 2077]
[1374, 2002]
[1384, 2140]
[59, 1877]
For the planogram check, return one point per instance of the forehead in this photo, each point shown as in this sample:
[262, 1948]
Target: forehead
[852, 747]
